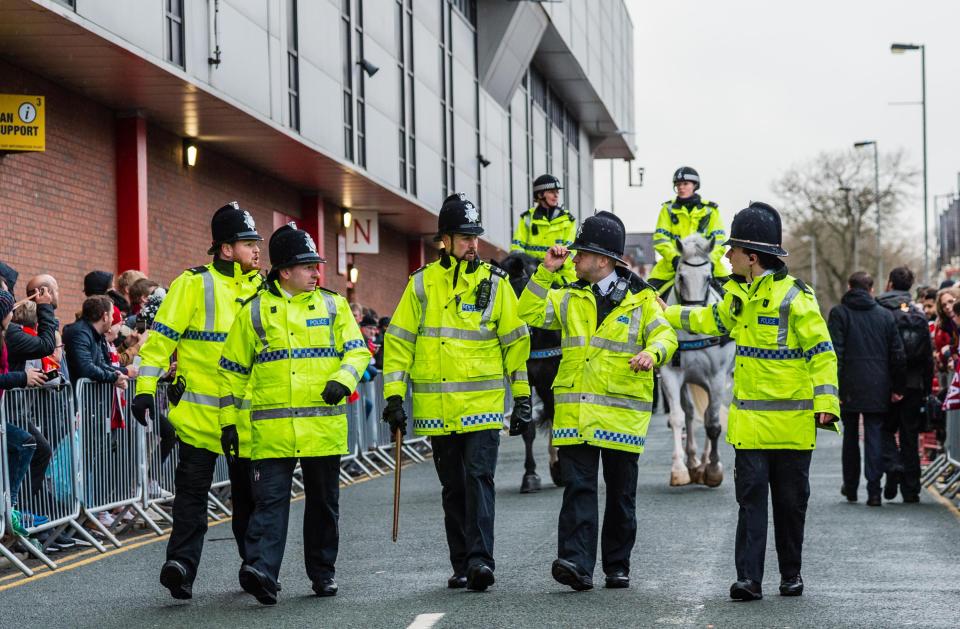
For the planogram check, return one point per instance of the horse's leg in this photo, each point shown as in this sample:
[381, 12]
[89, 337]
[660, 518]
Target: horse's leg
[531, 481]
[713, 475]
[690, 416]
[671, 383]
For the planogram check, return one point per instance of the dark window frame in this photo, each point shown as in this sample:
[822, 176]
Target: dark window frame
[174, 23]
[293, 64]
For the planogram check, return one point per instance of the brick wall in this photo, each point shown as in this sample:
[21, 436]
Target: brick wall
[57, 206]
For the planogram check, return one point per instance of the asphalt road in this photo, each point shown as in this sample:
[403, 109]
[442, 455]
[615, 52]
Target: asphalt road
[895, 566]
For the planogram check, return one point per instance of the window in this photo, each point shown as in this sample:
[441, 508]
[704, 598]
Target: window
[354, 112]
[293, 66]
[346, 40]
[174, 20]
[468, 9]
[360, 95]
[448, 176]
[406, 140]
[540, 94]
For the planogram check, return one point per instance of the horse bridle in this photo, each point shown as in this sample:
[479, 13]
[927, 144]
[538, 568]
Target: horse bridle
[706, 291]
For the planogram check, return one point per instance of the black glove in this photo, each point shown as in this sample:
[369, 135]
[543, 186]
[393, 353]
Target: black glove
[334, 392]
[143, 402]
[394, 414]
[230, 442]
[521, 416]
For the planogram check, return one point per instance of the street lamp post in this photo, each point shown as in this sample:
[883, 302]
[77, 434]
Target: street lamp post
[812, 239]
[900, 49]
[876, 189]
[856, 224]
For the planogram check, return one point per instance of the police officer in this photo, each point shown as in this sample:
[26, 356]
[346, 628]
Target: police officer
[679, 218]
[546, 224]
[456, 335]
[784, 387]
[299, 352]
[614, 334]
[193, 321]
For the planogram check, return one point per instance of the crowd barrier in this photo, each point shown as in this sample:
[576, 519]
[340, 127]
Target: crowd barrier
[944, 471]
[109, 473]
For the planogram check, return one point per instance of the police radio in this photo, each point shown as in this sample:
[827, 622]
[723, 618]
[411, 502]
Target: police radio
[483, 293]
[619, 291]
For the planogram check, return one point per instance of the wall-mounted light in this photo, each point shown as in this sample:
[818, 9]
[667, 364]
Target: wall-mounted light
[189, 153]
[368, 67]
[483, 161]
[354, 274]
[346, 218]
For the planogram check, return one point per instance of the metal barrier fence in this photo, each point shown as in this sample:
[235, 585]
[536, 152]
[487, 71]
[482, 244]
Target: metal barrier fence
[945, 469]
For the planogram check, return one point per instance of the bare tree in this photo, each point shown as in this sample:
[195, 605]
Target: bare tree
[831, 201]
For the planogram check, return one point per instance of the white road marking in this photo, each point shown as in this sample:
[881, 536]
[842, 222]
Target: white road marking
[425, 621]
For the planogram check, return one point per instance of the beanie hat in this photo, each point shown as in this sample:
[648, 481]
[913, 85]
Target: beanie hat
[6, 304]
[97, 283]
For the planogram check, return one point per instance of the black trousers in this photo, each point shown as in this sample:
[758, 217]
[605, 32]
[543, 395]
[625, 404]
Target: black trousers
[905, 418]
[266, 540]
[787, 475]
[465, 464]
[873, 465]
[577, 528]
[193, 478]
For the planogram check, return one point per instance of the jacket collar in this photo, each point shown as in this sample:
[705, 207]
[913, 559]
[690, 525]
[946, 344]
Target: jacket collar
[738, 283]
[688, 203]
[228, 268]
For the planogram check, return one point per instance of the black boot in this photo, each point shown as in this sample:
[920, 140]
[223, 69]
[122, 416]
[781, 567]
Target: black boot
[173, 576]
[326, 587]
[746, 590]
[258, 585]
[568, 574]
[457, 582]
[479, 577]
[792, 586]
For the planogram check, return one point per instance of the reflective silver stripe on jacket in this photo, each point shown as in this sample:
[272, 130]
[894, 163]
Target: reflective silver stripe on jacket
[564, 303]
[331, 305]
[421, 293]
[613, 346]
[516, 334]
[302, 411]
[518, 376]
[549, 315]
[634, 326]
[458, 387]
[257, 322]
[402, 334]
[349, 369]
[536, 289]
[685, 318]
[573, 341]
[653, 326]
[206, 400]
[241, 404]
[209, 301]
[826, 389]
[784, 323]
[394, 376]
[629, 404]
[488, 311]
[663, 350]
[457, 333]
[150, 372]
[773, 405]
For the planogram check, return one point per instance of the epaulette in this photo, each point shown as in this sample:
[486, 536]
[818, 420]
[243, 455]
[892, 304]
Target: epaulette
[327, 290]
[709, 204]
[527, 211]
[197, 270]
[420, 270]
[799, 284]
[496, 270]
[250, 298]
[571, 217]
[668, 202]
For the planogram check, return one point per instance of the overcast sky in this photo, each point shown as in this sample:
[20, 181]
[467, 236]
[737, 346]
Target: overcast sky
[742, 90]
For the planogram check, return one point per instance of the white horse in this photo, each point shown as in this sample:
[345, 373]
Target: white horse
[706, 361]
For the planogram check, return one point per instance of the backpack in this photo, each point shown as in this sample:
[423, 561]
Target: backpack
[915, 334]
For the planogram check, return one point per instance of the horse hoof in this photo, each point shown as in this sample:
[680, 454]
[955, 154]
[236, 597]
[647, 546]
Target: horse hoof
[713, 475]
[529, 484]
[696, 475]
[555, 474]
[679, 478]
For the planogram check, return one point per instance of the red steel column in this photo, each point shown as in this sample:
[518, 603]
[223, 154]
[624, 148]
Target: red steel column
[311, 221]
[132, 226]
[416, 255]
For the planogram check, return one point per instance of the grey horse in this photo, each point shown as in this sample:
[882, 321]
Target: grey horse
[704, 361]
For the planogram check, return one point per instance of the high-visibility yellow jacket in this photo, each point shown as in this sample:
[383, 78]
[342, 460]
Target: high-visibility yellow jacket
[599, 399]
[193, 320]
[456, 352]
[284, 350]
[535, 233]
[675, 223]
[786, 369]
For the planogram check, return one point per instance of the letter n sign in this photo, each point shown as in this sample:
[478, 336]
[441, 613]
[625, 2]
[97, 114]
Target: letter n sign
[363, 235]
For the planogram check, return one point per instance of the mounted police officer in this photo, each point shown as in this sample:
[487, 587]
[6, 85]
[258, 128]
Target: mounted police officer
[299, 353]
[456, 335]
[193, 321]
[546, 224]
[680, 217]
[614, 334]
[784, 388]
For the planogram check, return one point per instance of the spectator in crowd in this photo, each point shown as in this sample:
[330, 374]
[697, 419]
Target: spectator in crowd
[382, 326]
[124, 281]
[870, 362]
[139, 291]
[902, 462]
[25, 315]
[945, 335]
[928, 300]
[357, 311]
[86, 345]
[97, 283]
[21, 445]
[8, 277]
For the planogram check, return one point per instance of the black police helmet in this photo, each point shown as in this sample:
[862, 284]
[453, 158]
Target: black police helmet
[458, 215]
[544, 183]
[757, 228]
[685, 173]
[602, 233]
[230, 224]
[290, 246]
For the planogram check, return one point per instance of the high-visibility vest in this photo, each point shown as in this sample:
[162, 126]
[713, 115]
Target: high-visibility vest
[457, 351]
[674, 223]
[284, 350]
[193, 320]
[598, 397]
[534, 235]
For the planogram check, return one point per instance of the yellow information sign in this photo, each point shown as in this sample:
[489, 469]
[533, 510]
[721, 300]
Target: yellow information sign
[22, 123]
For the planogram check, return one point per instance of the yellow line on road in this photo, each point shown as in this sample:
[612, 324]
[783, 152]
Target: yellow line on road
[949, 505]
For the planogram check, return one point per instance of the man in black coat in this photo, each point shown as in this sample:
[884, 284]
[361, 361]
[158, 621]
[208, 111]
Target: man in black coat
[86, 347]
[870, 364]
